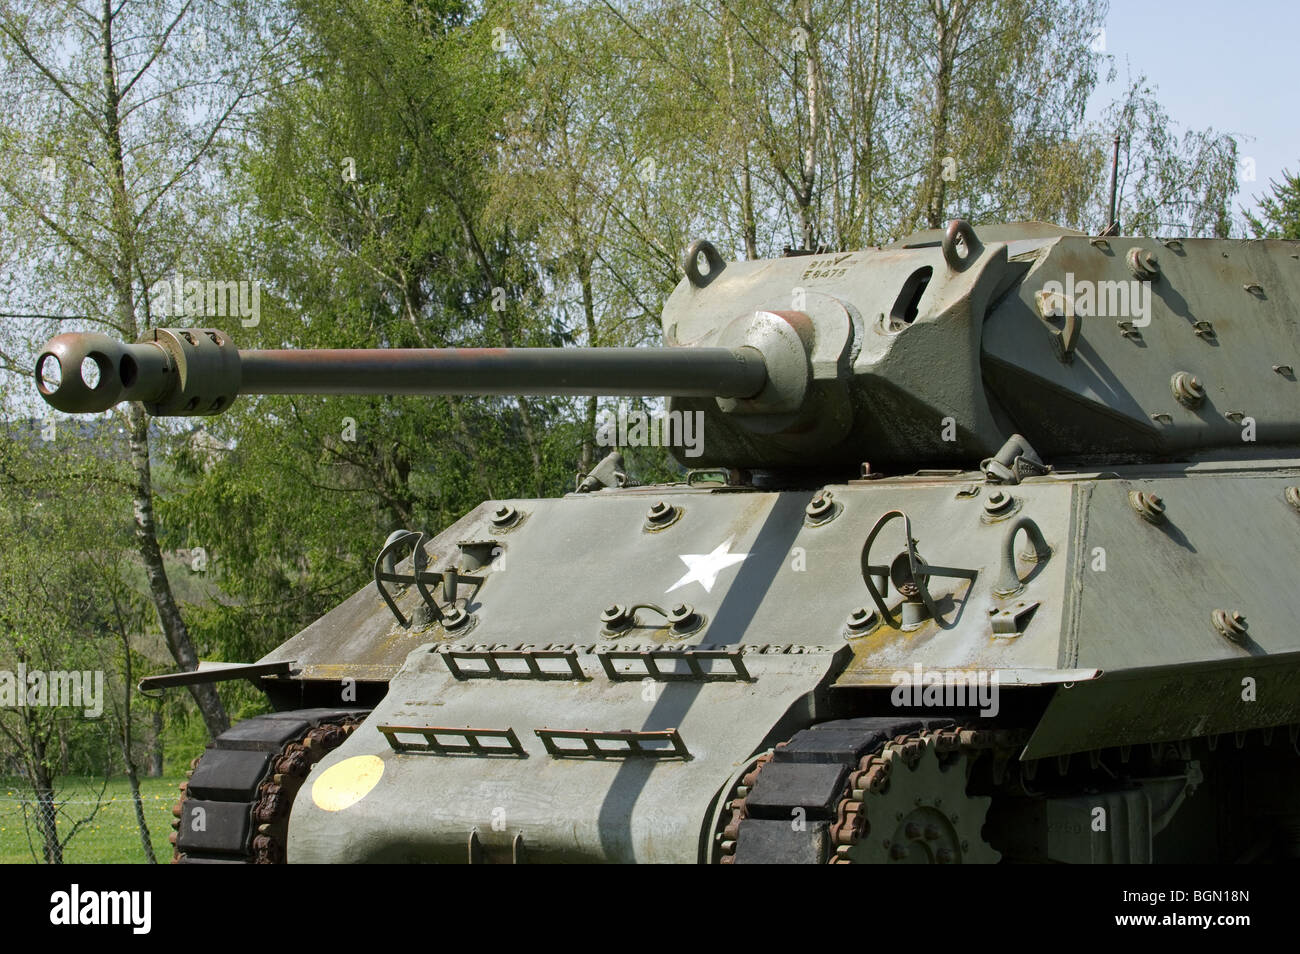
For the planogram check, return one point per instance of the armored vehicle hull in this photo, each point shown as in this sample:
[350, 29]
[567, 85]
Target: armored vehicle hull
[1073, 639]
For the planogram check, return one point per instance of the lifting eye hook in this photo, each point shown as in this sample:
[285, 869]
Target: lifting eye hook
[920, 571]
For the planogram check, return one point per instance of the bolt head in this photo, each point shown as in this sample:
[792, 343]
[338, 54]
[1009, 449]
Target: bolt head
[820, 505]
[1147, 505]
[613, 614]
[1187, 389]
[861, 617]
[684, 619]
[1143, 264]
[998, 501]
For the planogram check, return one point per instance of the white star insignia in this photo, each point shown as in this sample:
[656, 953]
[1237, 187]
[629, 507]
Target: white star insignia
[703, 568]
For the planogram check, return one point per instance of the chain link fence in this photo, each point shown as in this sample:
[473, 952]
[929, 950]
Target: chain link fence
[96, 822]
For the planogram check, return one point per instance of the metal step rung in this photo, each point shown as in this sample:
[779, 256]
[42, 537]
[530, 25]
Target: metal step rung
[667, 744]
[693, 660]
[471, 745]
[532, 660]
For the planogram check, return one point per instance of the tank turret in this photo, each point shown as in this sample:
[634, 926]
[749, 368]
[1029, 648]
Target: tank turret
[935, 351]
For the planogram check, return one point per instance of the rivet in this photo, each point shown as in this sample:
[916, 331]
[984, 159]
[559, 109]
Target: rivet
[684, 619]
[861, 620]
[998, 502]
[1187, 388]
[504, 516]
[1148, 506]
[1231, 625]
[661, 515]
[616, 617]
[1143, 264]
[821, 508]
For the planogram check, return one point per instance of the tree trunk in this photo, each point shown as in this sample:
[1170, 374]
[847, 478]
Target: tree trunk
[868, 152]
[140, 822]
[948, 32]
[177, 634]
[156, 742]
[589, 316]
[47, 822]
[169, 615]
[808, 171]
[128, 757]
[748, 225]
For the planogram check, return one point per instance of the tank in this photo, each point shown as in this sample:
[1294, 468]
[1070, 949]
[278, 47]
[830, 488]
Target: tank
[987, 552]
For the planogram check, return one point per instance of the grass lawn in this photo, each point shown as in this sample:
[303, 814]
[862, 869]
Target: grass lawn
[112, 837]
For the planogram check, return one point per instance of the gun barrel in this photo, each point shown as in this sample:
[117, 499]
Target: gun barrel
[199, 371]
[676, 372]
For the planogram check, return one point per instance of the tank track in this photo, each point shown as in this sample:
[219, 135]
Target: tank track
[807, 801]
[234, 808]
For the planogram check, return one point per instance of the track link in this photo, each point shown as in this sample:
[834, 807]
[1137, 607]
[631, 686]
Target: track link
[808, 799]
[234, 808]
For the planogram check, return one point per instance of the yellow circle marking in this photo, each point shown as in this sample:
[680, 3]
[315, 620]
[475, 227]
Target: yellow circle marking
[343, 785]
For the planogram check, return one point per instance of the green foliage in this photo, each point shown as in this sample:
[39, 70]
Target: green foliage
[1170, 183]
[292, 498]
[67, 605]
[1279, 216]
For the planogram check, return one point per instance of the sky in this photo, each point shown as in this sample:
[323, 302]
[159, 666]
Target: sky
[1230, 64]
